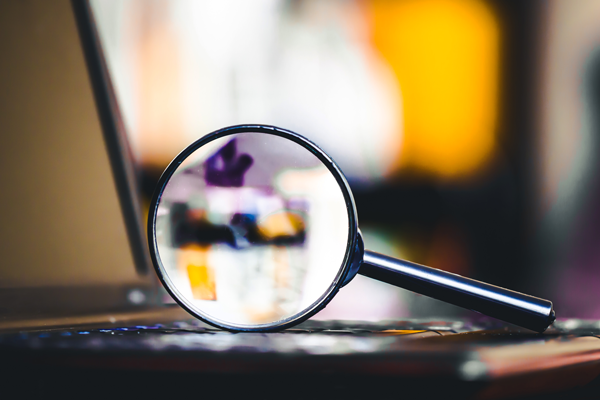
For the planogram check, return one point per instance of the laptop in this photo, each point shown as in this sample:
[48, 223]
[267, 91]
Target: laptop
[82, 312]
[72, 241]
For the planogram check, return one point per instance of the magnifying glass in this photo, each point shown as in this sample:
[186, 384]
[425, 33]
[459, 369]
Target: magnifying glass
[254, 228]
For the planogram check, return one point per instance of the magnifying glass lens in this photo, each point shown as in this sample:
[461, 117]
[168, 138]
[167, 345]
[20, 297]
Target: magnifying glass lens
[251, 230]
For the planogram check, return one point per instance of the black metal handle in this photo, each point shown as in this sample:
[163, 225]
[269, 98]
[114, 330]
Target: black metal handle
[514, 307]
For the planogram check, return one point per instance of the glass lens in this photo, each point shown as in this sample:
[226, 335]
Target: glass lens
[251, 229]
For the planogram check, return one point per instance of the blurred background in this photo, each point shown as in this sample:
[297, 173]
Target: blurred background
[468, 129]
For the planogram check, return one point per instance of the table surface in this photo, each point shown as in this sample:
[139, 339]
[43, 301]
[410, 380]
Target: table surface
[482, 358]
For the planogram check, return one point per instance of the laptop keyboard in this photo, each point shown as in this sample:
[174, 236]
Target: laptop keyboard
[310, 337]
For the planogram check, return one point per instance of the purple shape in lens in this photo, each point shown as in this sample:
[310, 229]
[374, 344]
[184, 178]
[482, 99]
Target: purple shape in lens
[226, 167]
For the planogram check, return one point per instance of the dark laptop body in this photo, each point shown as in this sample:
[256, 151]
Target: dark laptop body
[82, 313]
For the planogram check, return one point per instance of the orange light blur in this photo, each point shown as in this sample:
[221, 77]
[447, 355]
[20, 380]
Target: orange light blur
[193, 260]
[445, 56]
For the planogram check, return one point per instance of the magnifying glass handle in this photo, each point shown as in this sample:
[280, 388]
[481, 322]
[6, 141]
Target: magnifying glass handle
[517, 308]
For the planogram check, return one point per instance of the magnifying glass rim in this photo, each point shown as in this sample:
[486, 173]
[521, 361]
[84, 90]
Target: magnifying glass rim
[315, 307]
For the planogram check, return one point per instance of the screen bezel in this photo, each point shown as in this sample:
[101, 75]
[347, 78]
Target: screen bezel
[113, 128]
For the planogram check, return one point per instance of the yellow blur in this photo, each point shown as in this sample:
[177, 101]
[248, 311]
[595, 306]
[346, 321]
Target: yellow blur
[193, 259]
[445, 56]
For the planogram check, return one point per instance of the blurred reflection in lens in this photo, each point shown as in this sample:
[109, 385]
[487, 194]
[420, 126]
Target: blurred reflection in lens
[251, 229]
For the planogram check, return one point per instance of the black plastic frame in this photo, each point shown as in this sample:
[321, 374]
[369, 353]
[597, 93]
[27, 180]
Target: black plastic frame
[113, 130]
[351, 256]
